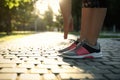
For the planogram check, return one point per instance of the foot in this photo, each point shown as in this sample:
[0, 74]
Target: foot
[83, 50]
[72, 46]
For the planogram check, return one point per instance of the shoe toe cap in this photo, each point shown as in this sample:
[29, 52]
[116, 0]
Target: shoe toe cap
[69, 53]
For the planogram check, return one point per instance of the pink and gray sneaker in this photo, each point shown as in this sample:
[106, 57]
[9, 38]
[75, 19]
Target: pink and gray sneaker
[83, 50]
[72, 46]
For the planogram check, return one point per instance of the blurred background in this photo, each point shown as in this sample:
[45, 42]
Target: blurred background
[45, 15]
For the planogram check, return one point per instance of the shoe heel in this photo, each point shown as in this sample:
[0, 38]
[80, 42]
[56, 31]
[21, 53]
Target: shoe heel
[97, 55]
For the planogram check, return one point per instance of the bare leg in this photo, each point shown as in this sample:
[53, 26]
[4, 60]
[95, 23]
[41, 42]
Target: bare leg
[98, 15]
[65, 6]
[85, 21]
[92, 21]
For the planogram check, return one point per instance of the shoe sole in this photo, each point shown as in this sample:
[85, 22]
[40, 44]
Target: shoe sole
[91, 55]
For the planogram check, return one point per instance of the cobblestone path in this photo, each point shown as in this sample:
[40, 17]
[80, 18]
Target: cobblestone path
[35, 57]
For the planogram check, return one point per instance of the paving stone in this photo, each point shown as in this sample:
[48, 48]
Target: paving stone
[66, 76]
[13, 70]
[81, 64]
[9, 56]
[14, 52]
[25, 55]
[9, 65]
[94, 63]
[10, 61]
[39, 70]
[66, 67]
[1, 57]
[100, 71]
[50, 61]
[105, 67]
[47, 66]
[117, 66]
[115, 60]
[64, 63]
[103, 59]
[26, 65]
[30, 77]
[49, 77]
[29, 61]
[113, 76]
[67, 70]
[116, 71]
[98, 76]
[6, 61]
[86, 68]
[8, 76]
[112, 63]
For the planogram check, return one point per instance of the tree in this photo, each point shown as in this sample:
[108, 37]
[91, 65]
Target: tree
[76, 12]
[59, 22]
[113, 17]
[23, 16]
[5, 17]
[8, 9]
[48, 18]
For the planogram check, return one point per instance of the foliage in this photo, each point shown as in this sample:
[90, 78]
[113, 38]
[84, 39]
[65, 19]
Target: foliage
[18, 15]
[14, 3]
[14, 12]
[48, 18]
[112, 17]
[59, 22]
[76, 12]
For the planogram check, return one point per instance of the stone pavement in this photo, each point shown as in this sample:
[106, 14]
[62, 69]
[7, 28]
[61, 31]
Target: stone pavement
[35, 57]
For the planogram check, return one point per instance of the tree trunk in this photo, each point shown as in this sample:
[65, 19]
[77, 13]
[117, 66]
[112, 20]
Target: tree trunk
[8, 22]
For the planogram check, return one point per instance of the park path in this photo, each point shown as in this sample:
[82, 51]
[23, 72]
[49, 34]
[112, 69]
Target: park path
[35, 57]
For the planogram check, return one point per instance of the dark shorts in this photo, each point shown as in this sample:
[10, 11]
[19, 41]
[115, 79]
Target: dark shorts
[94, 3]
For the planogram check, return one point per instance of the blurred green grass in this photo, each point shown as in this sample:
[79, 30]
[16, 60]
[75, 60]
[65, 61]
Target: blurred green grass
[20, 34]
[14, 35]
[102, 34]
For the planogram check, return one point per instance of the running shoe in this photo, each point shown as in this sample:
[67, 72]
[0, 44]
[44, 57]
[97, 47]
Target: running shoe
[83, 50]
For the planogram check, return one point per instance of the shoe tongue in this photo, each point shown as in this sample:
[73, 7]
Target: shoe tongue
[83, 43]
[76, 42]
[79, 45]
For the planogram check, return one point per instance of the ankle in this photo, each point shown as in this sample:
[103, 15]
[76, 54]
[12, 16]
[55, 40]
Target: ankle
[95, 45]
[91, 43]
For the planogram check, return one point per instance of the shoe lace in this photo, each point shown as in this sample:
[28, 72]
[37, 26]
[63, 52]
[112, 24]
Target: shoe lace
[72, 40]
[79, 45]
